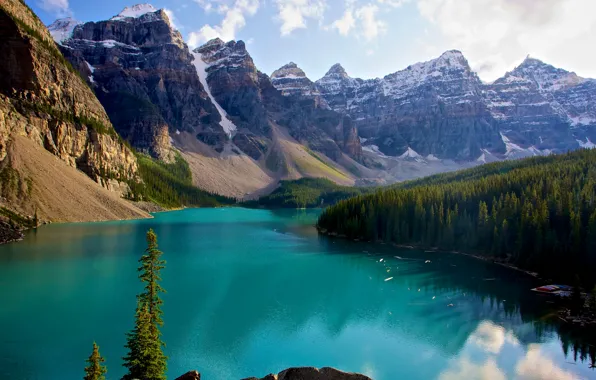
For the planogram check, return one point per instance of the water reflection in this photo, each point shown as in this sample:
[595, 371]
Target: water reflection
[253, 291]
[492, 344]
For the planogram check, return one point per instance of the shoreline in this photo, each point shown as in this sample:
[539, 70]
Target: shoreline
[491, 260]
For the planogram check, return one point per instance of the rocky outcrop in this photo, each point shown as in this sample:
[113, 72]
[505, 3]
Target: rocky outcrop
[311, 373]
[292, 81]
[432, 108]
[253, 101]
[143, 74]
[190, 375]
[43, 97]
[543, 109]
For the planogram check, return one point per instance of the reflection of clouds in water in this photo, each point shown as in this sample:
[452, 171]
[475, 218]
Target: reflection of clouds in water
[535, 366]
[491, 337]
[463, 368]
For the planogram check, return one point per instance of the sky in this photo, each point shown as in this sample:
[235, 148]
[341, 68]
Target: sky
[373, 38]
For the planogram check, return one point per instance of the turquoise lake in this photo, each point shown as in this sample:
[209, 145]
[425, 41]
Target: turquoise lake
[251, 292]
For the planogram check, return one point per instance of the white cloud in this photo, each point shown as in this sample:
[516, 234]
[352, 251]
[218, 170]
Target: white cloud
[466, 369]
[497, 34]
[361, 21]
[534, 366]
[234, 20]
[207, 5]
[491, 337]
[370, 52]
[345, 24]
[393, 3]
[59, 8]
[172, 17]
[293, 14]
[370, 26]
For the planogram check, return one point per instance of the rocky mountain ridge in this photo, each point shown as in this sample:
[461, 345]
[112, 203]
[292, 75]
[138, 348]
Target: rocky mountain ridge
[441, 109]
[46, 109]
[212, 101]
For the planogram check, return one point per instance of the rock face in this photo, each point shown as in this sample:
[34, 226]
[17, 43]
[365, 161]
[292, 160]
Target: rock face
[190, 375]
[292, 81]
[433, 108]
[542, 108]
[143, 74]
[441, 108]
[43, 98]
[252, 102]
[311, 373]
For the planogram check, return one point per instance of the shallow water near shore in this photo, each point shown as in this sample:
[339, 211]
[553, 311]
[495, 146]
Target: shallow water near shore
[251, 292]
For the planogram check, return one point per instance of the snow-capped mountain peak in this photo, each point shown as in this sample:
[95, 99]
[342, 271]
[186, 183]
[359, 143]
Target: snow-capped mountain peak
[62, 28]
[337, 70]
[289, 70]
[135, 11]
[453, 58]
[545, 76]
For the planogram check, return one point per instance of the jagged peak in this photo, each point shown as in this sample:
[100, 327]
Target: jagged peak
[453, 58]
[289, 70]
[62, 28]
[135, 11]
[337, 70]
[544, 75]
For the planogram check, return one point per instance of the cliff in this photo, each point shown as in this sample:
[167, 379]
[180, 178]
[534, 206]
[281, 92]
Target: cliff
[44, 101]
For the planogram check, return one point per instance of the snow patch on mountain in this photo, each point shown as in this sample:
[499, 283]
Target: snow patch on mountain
[581, 120]
[448, 64]
[410, 153]
[373, 149]
[135, 11]
[62, 29]
[201, 67]
[92, 69]
[586, 144]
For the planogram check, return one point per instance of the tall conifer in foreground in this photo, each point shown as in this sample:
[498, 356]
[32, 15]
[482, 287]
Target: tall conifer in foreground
[95, 371]
[145, 359]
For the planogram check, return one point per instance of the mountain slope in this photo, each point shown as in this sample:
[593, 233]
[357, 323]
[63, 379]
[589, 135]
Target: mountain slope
[43, 99]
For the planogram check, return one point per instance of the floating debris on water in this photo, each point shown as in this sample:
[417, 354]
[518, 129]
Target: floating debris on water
[450, 305]
[388, 278]
[434, 297]
[381, 260]
[427, 261]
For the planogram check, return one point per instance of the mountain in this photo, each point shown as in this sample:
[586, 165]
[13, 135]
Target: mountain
[237, 132]
[431, 108]
[58, 148]
[241, 131]
[441, 108]
[542, 108]
[143, 74]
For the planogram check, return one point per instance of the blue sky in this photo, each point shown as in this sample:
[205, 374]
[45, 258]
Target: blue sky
[372, 38]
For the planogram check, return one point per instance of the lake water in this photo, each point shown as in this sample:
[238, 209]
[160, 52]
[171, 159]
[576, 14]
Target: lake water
[255, 291]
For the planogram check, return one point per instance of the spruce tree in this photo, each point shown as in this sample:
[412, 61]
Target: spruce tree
[95, 371]
[145, 359]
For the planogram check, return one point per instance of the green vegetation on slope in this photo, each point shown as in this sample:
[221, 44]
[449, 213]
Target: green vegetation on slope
[306, 192]
[170, 185]
[538, 213]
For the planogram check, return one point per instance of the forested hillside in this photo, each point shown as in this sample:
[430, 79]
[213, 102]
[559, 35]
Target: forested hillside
[170, 185]
[306, 192]
[536, 213]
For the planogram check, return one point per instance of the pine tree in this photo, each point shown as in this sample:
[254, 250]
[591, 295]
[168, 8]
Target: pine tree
[145, 359]
[95, 371]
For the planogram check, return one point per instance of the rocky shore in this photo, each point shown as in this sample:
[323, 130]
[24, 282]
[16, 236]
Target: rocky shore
[296, 373]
